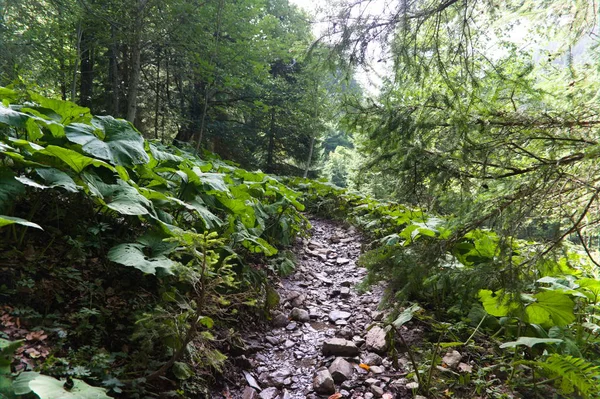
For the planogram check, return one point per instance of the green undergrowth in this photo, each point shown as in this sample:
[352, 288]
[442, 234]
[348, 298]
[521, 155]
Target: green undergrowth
[529, 322]
[127, 265]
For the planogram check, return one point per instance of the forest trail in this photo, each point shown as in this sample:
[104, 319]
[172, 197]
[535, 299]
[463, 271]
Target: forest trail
[323, 330]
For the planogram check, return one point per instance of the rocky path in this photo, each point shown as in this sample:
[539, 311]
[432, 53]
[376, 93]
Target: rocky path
[326, 340]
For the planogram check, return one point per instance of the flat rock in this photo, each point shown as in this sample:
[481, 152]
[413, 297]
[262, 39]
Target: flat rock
[251, 380]
[340, 370]
[376, 340]
[452, 359]
[336, 315]
[323, 279]
[298, 301]
[291, 326]
[372, 359]
[299, 315]
[376, 369]
[342, 261]
[323, 382]
[377, 391]
[279, 319]
[269, 393]
[340, 347]
[344, 292]
[280, 378]
[249, 393]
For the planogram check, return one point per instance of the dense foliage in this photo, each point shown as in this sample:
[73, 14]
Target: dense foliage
[476, 281]
[232, 77]
[86, 201]
[126, 260]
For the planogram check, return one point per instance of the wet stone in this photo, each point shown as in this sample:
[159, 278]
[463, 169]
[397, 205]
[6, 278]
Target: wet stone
[372, 359]
[340, 347]
[279, 319]
[295, 349]
[376, 340]
[249, 393]
[377, 391]
[269, 393]
[340, 370]
[336, 315]
[251, 380]
[299, 315]
[377, 369]
[323, 382]
[291, 326]
[289, 343]
[452, 359]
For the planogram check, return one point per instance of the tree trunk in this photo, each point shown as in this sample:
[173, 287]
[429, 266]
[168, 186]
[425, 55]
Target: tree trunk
[313, 138]
[113, 73]
[195, 111]
[157, 99]
[76, 63]
[207, 87]
[86, 86]
[134, 81]
[136, 62]
[271, 148]
[203, 118]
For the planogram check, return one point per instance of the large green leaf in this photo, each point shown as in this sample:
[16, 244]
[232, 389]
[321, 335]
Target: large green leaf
[56, 178]
[31, 183]
[156, 244]
[21, 383]
[10, 188]
[406, 315]
[496, 303]
[50, 388]
[551, 308]
[530, 342]
[8, 220]
[12, 118]
[114, 140]
[214, 181]
[75, 160]
[120, 197]
[133, 255]
[210, 220]
[7, 94]
[62, 111]
[591, 287]
[182, 371]
[160, 153]
[7, 351]
[29, 145]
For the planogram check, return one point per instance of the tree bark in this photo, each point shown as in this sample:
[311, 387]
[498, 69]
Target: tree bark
[203, 117]
[310, 154]
[113, 73]
[134, 81]
[76, 63]
[136, 62]
[86, 86]
[271, 148]
[157, 99]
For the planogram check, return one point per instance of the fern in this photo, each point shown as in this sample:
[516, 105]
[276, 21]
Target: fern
[574, 374]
